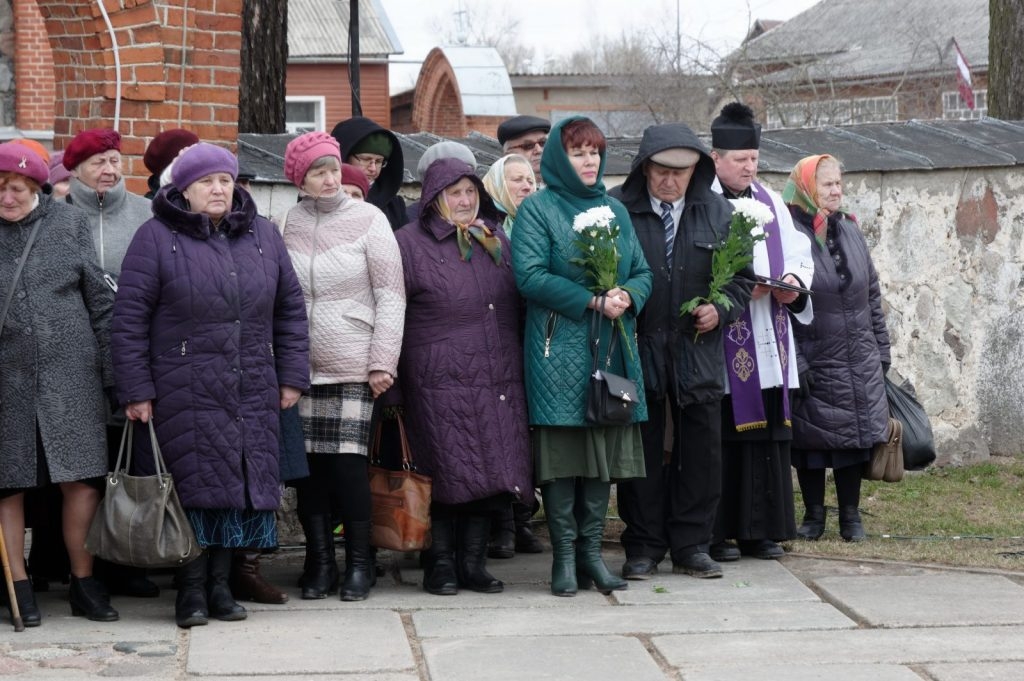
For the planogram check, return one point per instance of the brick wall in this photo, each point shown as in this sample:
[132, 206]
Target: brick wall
[437, 103]
[33, 69]
[163, 85]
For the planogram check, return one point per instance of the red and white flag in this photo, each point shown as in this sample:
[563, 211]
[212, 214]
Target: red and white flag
[963, 77]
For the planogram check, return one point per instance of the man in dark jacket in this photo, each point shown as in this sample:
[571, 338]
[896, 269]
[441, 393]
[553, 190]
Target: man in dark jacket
[377, 152]
[679, 222]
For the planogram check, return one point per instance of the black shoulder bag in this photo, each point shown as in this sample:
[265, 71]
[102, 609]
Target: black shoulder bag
[611, 399]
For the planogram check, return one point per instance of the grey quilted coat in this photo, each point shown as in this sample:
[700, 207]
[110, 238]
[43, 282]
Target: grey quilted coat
[843, 348]
[461, 368]
[54, 349]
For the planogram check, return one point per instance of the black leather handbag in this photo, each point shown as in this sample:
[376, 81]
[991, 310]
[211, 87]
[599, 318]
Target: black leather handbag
[611, 399]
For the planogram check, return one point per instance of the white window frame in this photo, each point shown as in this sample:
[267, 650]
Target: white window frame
[954, 108]
[295, 127]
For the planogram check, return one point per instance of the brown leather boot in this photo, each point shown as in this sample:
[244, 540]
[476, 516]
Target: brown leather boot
[247, 584]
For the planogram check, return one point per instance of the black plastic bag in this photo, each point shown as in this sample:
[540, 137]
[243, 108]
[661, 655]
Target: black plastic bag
[918, 441]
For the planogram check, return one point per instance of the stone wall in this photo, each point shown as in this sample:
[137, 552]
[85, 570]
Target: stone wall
[949, 251]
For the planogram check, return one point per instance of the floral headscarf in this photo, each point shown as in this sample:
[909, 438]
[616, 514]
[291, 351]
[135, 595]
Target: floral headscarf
[494, 183]
[475, 228]
[802, 191]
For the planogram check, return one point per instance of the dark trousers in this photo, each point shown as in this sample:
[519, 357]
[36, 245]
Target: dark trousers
[673, 509]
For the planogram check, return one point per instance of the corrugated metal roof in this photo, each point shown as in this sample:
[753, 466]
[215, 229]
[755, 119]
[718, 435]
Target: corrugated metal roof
[878, 147]
[482, 80]
[850, 39]
[318, 31]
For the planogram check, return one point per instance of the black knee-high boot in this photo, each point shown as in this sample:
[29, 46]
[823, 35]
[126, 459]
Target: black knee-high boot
[848, 495]
[439, 576]
[219, 600]
[471, 555]
[359, 572]
[320, 570]
[812, 488]
[190, 609]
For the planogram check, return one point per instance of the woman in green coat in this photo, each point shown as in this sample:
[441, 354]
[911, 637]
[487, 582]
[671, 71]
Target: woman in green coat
[575, 462]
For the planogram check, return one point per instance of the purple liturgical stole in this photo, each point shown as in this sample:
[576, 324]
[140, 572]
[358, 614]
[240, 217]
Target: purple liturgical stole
[740, 344]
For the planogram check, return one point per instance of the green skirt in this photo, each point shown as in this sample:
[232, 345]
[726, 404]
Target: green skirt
[611, 453]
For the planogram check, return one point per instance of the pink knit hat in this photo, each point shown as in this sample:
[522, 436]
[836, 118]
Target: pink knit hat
[302, 151]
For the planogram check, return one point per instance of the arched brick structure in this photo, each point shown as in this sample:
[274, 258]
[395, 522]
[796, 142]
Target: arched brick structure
[438, 99]
[163, 85]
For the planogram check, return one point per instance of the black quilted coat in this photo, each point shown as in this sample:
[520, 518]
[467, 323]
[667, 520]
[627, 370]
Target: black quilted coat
[844, 347]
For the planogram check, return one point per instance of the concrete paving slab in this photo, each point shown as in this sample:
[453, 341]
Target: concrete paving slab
[652, 619]
[976, 671]
[951, 599]
[829, 672]
[557, 658]
[744, 581]
[307, 642]
[858, 646]
[385, 676]
[142, 620]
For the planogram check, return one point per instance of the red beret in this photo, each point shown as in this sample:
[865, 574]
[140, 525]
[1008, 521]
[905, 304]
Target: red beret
[165, 147]
[355, 176]
[88, 143]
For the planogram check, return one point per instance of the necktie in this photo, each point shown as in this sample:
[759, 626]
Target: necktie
[670, 229]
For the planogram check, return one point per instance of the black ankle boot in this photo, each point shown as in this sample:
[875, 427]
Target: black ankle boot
[89, 598]
[320, 576]
[813, 525]
[439, 560]
[359, 572]
[472, 556]
[190, 608]
[850, 526]
[27, 608]
[219, 600]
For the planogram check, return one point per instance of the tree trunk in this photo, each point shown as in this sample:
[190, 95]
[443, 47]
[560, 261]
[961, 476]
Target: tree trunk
[264, 62]
[1006, 59]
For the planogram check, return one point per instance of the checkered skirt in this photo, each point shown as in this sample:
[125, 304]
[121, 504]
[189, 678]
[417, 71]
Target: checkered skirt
[336, 418]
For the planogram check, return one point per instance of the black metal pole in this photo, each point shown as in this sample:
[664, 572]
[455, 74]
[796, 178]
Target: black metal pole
[353, 55]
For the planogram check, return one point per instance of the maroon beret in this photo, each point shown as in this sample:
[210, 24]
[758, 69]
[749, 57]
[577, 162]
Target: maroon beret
[20, 159]
[165, 147]
[88, 143]
[355, 176]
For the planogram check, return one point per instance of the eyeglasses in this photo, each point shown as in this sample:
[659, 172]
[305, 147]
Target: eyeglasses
[528, 146]
[368, 161]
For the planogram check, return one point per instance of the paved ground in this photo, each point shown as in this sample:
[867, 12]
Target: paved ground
[797, 619]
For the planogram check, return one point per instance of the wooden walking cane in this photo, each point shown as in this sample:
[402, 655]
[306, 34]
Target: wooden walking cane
[15, 612]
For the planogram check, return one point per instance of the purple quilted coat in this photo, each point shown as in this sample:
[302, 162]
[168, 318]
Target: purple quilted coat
[461, 368]
[208, 324]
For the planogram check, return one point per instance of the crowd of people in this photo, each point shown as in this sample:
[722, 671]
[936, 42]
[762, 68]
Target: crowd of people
[267, 351]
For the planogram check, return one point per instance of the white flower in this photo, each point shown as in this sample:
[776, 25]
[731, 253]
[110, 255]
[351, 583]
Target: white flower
[598, 217]
[754, 211]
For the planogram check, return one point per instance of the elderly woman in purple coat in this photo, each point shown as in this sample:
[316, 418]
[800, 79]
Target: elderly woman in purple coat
[461, 372]
[210, 340]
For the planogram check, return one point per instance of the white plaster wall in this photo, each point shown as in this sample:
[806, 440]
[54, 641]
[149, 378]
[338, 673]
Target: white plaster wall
[953, 300]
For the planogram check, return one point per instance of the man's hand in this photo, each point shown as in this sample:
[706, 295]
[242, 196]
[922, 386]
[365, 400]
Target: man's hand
[705, 318]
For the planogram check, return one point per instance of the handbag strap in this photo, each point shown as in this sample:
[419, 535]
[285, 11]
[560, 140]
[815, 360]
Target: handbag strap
[124, 452]
[17, 273]
[407, 462]
[595, 335]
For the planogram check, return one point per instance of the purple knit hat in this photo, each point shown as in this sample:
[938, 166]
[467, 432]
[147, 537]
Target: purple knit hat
[201, 160]
[58, 173]
[303, 150]
[20, 159]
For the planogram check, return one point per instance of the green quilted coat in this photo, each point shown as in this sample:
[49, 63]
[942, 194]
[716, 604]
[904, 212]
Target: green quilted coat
[556, 345]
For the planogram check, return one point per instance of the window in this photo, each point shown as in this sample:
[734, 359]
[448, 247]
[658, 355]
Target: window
[953, 107]
[304, 114]
[833, 112]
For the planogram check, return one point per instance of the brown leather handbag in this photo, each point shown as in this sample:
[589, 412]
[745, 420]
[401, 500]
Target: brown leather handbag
[399, 500]
[886, 462]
